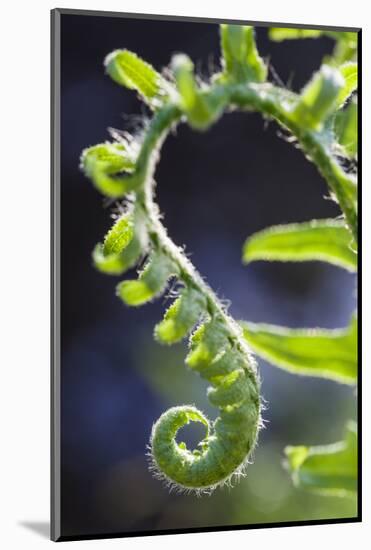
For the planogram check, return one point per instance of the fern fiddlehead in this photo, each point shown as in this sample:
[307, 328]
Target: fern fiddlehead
[218, 350]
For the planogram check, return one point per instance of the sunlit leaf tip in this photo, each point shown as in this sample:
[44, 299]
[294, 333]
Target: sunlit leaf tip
[279, 34]
[316, 352]
[241, 58]
[322, 240]
[201, 107]
[319, 98]
[181, 316]
[346, 129]
[109, 166]
[327, 469]
[129, 70]
[151, 283]
[349, 72]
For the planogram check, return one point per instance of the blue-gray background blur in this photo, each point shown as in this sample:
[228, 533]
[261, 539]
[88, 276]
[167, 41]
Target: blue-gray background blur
[214, 190]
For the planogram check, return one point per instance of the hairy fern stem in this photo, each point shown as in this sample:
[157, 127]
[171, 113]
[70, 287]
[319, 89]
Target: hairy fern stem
[201, 471]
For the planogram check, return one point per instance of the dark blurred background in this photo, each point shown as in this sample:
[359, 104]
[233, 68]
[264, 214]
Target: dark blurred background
[214, 190]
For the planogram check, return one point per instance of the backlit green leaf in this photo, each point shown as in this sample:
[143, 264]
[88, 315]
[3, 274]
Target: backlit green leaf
[324, 240]
[241, 58]
[120, 234]
[328, 469]
[312, 352]
[123, 245]
[117, 263]
[278, 34]
[200, 107]
[151, 282]
[109, 166]
[319, 98]
[206, 342]
[349, 72]
[129, 70]
[346, 47]
[181, 316]
[346, 128]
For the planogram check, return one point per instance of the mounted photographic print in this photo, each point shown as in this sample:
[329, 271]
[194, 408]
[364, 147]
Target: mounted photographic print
[204, 205]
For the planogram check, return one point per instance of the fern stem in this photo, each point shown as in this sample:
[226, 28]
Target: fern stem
[156, 134]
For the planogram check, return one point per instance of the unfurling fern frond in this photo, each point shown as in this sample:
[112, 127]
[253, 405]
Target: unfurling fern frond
[218, 352]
